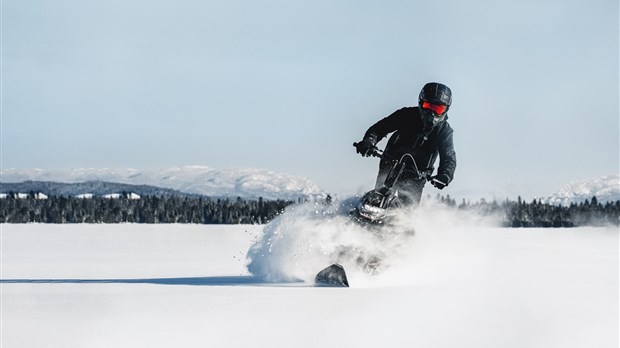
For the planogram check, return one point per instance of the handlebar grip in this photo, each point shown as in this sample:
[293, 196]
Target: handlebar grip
[375, 152]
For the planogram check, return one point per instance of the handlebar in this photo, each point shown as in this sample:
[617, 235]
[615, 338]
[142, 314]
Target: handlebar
[424, 174]
[375, 152]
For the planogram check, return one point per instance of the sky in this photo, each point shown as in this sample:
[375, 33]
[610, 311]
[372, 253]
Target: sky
[288, 86]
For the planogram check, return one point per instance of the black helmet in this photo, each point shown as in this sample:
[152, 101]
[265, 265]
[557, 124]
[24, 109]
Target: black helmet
[434, 102]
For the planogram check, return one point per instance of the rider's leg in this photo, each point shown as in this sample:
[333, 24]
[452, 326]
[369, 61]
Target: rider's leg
[411, 191]
[384, 169]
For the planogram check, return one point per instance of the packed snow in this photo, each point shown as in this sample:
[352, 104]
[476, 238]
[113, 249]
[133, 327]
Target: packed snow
[446, 280]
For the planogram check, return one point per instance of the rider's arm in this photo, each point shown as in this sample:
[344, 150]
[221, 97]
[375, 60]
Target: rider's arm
[387, 125]
[447, 155]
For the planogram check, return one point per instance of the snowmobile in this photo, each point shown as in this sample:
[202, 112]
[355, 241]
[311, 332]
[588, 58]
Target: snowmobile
[375, 208]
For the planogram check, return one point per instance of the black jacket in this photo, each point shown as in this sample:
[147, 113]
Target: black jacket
[411, 137]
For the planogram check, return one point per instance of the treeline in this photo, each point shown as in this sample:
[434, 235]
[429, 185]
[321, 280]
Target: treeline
[148, 209]
[202, 210]
[539, 214]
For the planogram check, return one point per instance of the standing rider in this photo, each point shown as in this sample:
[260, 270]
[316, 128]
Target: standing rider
[421, 131]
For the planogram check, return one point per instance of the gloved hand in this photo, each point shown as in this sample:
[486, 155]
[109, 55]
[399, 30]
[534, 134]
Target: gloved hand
[440, 181]
[365, 147]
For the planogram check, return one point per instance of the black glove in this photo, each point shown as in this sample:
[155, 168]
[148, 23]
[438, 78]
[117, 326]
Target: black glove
[440, 181]
[365, 147]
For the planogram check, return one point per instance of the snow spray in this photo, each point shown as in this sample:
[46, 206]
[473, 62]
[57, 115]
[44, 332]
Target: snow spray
[309, 237]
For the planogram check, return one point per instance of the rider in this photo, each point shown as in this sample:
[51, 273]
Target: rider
[422, 131]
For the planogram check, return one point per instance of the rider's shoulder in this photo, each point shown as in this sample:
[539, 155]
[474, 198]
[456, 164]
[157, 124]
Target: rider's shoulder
[406, 111]
[446, 128]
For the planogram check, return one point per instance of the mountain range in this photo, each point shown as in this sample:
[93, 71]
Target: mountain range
[199, 180]
[246, 183]
[605, 189]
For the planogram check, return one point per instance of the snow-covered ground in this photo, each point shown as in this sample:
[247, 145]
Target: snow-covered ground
[456, 283]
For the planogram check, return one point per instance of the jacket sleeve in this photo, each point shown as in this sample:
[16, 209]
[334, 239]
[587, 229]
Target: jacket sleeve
[447, 155]
[385, 126]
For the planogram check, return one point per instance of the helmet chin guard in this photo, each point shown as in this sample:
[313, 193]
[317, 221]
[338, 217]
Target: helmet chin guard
[430, 119]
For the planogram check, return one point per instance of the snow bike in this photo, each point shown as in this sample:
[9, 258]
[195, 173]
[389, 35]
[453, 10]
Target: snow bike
[375, 208]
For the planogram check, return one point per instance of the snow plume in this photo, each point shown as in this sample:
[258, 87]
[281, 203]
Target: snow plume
[309, 237]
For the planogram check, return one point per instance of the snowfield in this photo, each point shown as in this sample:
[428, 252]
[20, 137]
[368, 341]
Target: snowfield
[457, 282]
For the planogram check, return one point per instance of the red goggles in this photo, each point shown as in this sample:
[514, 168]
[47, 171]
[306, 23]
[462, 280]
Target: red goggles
[438, 108]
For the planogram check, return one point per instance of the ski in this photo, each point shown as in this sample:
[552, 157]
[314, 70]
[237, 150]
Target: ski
[332, 276]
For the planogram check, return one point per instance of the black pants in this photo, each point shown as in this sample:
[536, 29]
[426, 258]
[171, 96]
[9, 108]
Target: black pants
[409, 189]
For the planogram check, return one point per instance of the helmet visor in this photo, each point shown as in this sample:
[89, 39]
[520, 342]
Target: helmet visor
[439, 109]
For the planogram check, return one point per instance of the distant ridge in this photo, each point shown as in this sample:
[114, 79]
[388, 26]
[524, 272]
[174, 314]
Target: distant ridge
[97, 188]
[605, 189]
[244, 183]
[199, 180]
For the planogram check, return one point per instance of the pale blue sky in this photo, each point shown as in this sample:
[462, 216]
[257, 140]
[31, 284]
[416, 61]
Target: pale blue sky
[290, 85]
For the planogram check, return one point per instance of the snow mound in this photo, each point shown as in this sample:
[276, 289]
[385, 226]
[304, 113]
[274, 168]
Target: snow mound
[605, 188]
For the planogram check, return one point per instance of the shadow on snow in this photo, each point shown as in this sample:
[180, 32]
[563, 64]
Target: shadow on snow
[197, 281]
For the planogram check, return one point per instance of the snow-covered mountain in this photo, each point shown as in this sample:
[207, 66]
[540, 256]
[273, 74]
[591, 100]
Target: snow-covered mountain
[247, 183]
[605, 188]
[254, 183]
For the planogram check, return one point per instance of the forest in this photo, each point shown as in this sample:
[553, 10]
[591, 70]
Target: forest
[147, 209]
[538, 214]
[204, 210]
